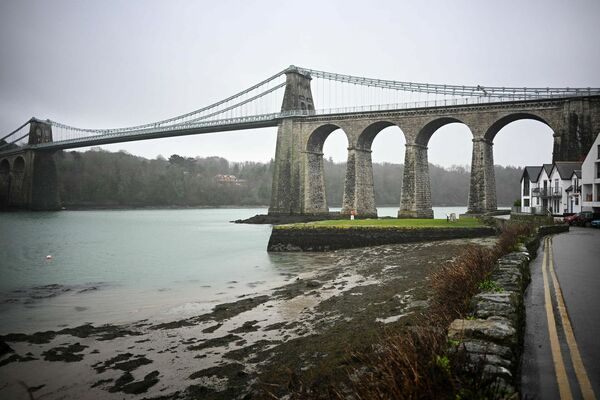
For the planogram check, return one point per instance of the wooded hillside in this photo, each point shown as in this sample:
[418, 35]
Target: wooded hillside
[101, 178]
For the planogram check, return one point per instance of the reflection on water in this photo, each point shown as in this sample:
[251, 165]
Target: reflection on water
[118, 266]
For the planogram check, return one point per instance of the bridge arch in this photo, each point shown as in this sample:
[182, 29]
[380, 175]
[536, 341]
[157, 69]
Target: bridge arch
[18, 165]
[493, 130]
[532, 131]
[315, 193]
[360, 193]
[417, 200]
[427, 131]
[367, 136]
[316, 139]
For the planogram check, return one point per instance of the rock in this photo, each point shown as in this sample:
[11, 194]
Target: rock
[5, 349]
[499, 371]
[503, 304]
[248, 326]
[215, 342]
[212, 328]
[504, 389]
[126, 384]
[509, 280]
[478, 359]
[483, 347]
[68, 353]
[496, 329]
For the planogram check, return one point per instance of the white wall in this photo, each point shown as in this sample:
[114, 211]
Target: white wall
[590, 184]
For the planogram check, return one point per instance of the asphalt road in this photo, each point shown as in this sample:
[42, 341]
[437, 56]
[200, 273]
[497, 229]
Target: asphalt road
[554, 370]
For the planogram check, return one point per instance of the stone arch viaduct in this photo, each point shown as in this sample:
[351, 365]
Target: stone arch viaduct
[299, 187]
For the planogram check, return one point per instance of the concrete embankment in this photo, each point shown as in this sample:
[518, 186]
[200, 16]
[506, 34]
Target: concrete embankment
[330, 238]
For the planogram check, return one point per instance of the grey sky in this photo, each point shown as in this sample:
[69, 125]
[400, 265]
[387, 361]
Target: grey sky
[115, 63]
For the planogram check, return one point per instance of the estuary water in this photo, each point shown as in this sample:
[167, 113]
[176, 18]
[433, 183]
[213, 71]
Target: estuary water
[67, 268]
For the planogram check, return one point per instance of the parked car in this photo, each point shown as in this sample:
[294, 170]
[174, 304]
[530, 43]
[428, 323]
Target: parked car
[595, 223]
[583, 218]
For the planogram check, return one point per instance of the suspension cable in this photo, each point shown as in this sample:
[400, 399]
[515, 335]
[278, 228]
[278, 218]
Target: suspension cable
[460, 90]
[169, 120]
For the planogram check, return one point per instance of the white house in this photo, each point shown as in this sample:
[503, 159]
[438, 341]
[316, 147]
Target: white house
[561, 180]
[541, 193]
[590, 179]
[549, 188]
[529, 182]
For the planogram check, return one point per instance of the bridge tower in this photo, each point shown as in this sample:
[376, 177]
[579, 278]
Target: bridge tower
[286, 196]
[28, 179]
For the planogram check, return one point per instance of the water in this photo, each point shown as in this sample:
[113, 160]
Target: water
[121, 266]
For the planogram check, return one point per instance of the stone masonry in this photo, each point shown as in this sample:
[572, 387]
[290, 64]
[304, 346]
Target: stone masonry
[298, 181]
[29, 180]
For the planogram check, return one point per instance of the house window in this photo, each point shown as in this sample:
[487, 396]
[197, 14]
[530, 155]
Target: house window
[525, 202]
[576, 201]
[526, 187]
[599, 151]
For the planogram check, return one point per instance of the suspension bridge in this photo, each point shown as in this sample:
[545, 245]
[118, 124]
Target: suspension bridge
[360, 106]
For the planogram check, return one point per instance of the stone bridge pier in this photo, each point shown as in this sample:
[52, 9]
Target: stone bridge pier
[482, 191]
[359, 190]
[28, 178]
[416, 187]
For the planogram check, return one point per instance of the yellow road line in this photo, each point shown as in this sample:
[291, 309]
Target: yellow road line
[559, 366]
[582, 378]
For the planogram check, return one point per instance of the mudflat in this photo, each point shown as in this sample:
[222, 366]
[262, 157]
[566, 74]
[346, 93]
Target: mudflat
[304, 332]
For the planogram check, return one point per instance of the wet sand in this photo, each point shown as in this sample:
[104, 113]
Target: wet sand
[303, 331]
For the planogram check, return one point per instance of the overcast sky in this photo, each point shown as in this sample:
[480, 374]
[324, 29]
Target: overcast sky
[103, 64]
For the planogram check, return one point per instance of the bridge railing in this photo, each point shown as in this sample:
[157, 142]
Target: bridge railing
[412, 105]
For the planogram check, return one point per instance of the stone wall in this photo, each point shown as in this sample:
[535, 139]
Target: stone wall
[491, 339]
[537, 219]
[325, 238]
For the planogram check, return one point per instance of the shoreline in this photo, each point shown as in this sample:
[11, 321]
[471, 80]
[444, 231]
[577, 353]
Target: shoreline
[305, 326]
[109, 207]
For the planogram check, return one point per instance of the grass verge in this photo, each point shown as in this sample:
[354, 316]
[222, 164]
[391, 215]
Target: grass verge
[386, 223]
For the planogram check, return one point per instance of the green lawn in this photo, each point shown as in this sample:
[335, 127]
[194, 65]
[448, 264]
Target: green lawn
[387, 223]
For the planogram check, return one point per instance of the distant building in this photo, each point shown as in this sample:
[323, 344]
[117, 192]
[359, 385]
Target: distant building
[551, 188]
[229, 180]
[590, 179]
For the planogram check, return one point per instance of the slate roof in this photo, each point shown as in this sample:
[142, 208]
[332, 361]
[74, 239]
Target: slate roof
[548, 168]
[532, 172]
[566, 168]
